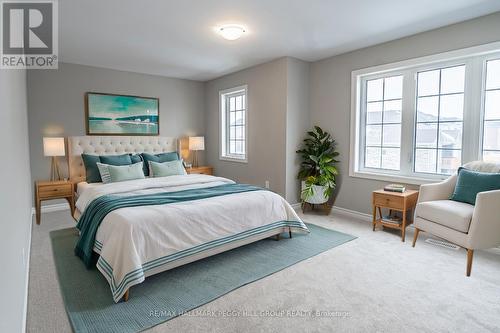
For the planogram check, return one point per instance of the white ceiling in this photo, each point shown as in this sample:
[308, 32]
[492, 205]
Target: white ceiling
[176, 38]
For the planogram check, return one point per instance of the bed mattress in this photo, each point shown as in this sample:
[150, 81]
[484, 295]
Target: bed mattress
[135, 242]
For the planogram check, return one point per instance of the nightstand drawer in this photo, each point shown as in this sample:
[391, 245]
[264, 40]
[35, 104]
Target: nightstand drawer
[388, 201]
[48, 191]
[201, 170]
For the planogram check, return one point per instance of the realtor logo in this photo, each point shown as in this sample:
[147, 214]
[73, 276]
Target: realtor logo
[29, 35]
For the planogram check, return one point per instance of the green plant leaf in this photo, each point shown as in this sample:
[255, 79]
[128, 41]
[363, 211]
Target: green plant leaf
[318, 156]
[314, 135]
[314, 158]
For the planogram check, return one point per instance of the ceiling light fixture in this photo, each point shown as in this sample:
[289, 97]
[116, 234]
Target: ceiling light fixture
[231, 31]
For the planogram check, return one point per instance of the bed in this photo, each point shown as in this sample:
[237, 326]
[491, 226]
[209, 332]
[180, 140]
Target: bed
[148, 226]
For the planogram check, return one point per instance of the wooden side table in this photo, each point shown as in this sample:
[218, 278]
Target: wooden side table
[205, 170]
[48, 190]
[401, 202]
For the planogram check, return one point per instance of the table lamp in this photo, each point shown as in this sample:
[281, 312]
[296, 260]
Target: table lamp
[54, 147]
[196, 143]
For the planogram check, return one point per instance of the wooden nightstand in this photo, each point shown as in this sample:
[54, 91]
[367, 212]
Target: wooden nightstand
[48, 190]
[206, 170]
[401, 202]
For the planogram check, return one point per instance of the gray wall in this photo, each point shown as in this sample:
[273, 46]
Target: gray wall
[267, 104]
[278, 93]
[297, 122]
[15, 199]
[331, 89]
[56, 104]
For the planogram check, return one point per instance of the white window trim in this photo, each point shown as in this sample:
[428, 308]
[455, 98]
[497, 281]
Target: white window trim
[222, 124]
[472, 148]
[483, 99]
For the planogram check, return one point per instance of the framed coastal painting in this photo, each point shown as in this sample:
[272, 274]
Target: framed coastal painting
[110, 114]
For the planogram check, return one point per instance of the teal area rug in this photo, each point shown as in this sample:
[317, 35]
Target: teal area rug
[163, 296]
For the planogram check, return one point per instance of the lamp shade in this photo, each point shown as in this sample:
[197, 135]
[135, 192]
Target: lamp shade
[53, 147]
[196, 143]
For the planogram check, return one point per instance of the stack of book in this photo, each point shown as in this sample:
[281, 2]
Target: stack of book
[392, 219]
[395, 188]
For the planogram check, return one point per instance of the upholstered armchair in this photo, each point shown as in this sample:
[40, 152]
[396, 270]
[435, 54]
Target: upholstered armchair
[469, 226]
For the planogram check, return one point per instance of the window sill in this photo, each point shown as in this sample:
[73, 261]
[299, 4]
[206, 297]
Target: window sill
[233, 159]
[413, 180]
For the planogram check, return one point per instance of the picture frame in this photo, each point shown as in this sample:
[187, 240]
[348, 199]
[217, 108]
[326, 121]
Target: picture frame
[117, 114]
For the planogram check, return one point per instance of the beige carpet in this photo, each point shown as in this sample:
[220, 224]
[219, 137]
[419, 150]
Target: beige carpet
[373, 283]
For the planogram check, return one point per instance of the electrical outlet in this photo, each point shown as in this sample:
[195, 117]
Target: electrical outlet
[267, 183]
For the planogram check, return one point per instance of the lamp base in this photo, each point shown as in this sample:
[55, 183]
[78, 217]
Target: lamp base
[195, 159]
[54, 170]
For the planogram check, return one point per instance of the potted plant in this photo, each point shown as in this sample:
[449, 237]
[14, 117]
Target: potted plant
[317, 169]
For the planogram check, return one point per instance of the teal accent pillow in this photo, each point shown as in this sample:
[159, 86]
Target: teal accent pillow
[135, 158]
[116, 159]
[470, 183]
[91, 170]
[166, 169]
[120, 173]
[158, 158]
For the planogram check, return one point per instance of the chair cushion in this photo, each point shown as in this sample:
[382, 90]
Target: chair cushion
[452, 214]
[470, 183]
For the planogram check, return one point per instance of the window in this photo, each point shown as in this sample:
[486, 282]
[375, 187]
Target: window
[491, 126]
[440, 109]
[383, 123]
[420, 119]
[233, 108]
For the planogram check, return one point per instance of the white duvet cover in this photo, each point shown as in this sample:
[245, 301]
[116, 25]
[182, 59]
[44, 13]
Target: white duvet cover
[137, 242]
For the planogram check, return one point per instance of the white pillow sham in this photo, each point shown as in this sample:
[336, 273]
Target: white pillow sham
[120, 173]
[165, 169]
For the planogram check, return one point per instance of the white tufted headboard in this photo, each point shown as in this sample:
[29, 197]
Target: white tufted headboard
[112, 145]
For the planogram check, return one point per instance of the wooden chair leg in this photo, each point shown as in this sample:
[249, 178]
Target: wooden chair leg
[417, 230]
[290, 232]
[127, 294]
[470, 253]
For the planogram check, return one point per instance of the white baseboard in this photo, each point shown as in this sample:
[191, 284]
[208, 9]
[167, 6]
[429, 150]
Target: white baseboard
[344, 211]
[352, 213]
[51, 208]
[27, 277]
